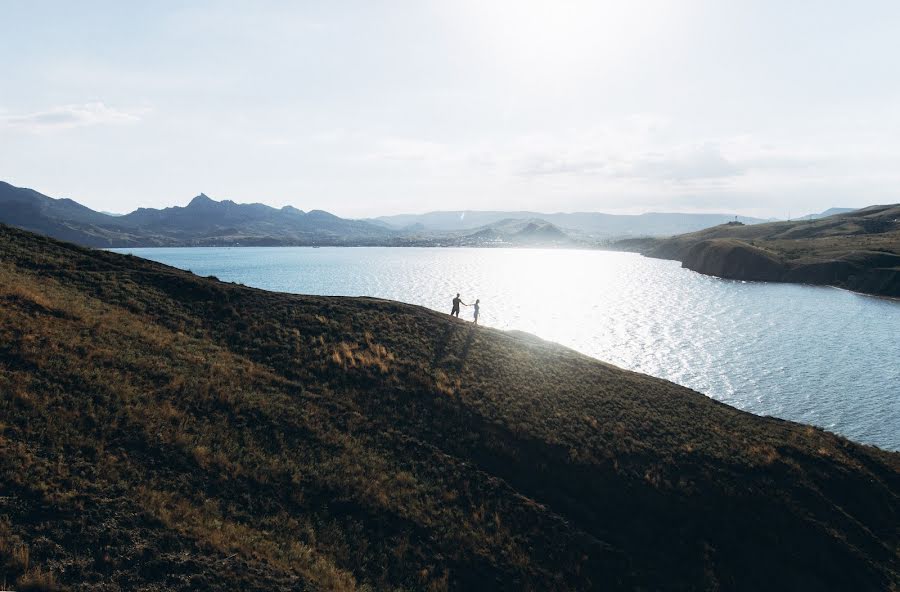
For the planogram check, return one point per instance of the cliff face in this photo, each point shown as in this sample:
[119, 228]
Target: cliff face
[859, 251]
[159, 430]
[868, 272]
[733, 259]
[882, 281]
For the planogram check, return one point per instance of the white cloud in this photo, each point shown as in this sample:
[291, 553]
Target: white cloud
[675, 164]
[70, 116]
[411, 149]
[687, 164]
[562, 165]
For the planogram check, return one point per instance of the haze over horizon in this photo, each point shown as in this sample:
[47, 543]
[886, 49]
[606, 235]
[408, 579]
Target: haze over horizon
[368, 109]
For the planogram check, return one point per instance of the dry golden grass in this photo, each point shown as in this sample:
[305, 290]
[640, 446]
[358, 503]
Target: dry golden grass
[207, 523]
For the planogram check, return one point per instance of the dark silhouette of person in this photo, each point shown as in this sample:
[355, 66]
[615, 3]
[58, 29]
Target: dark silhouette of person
[454, 312]
[476, 306]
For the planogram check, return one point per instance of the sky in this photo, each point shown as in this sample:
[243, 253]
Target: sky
[757, 107]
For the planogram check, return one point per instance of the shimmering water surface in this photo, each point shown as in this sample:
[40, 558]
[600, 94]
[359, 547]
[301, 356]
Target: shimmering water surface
[812, 354]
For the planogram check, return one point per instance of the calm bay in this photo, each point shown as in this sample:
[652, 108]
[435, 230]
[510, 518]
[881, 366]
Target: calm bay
[812, 354]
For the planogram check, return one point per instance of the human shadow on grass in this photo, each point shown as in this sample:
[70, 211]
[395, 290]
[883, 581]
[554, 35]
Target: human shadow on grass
[446, 353]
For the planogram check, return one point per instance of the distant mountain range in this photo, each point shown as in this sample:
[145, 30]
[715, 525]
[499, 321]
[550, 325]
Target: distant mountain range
[202, 222]
[206, 222]
[590, 224]
[827, 213]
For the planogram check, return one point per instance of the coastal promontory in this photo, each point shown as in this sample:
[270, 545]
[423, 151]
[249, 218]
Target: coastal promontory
[857, 250]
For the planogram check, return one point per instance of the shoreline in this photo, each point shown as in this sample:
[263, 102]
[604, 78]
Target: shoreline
[808, 284]
[713, 390]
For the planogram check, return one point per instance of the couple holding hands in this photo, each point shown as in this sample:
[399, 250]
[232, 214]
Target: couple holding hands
[454, 312]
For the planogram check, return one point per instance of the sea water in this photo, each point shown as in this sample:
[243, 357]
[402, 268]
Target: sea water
[812, 354]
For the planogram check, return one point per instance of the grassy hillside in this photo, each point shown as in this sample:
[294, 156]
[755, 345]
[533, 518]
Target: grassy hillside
[160, 430]
[859, 250]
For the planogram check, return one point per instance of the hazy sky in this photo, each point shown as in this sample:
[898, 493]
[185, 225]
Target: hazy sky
[372, 107]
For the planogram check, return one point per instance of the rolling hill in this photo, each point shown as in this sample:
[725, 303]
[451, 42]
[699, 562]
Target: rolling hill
[160, 430]
[827, 213]
[529, 232]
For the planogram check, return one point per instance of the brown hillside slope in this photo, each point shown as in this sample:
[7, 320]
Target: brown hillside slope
[858, 250]
[160, 430]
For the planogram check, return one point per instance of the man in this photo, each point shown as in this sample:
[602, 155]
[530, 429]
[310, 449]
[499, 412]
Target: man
[454, 312]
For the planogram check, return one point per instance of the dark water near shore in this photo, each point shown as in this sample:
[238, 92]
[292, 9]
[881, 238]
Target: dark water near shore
[812, 354]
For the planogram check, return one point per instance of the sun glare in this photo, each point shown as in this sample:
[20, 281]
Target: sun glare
[561, 38]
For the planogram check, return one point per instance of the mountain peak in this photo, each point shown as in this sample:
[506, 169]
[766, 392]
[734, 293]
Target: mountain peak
[321, 214]
[201, 199]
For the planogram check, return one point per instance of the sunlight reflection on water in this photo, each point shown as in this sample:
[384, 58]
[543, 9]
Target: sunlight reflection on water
[811, 354]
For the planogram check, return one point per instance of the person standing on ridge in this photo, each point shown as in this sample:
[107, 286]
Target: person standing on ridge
[454, 312]
[476, 309]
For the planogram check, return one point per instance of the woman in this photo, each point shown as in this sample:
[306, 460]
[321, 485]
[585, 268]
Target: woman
[476, 310]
